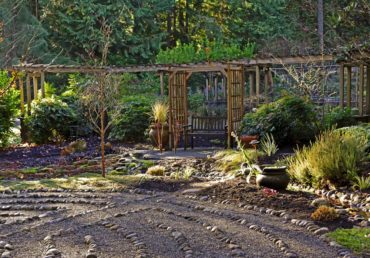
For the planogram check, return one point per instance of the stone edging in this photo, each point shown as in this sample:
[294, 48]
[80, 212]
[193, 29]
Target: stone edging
[309, 226]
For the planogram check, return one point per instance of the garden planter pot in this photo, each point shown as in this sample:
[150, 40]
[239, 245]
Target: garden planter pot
[156, 134]
[273, 177]
[246, 140]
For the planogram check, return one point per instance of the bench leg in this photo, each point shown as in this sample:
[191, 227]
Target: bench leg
[226, 141]
[185, 141]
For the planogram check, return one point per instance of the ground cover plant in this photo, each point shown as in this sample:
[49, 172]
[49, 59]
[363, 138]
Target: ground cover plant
[356, 239]
[92, 180]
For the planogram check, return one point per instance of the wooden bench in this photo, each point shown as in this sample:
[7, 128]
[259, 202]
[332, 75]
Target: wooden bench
[205, 126]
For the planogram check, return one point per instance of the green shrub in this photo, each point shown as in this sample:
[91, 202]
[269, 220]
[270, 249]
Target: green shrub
[339, 117]
[50, 120]
[196, 100]
[9, 102]
[133, 120]
[289, 119]
[330, 160]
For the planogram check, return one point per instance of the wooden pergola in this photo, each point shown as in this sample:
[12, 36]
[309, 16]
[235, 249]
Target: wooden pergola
[360, 60]
[234, 72]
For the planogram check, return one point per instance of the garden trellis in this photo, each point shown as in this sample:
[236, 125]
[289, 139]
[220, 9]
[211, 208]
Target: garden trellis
[258, 71]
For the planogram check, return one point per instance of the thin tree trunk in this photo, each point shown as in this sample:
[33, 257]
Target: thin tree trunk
[169, 29]
[102, 143]
[102, 126]
[320, 23]
[187, 18]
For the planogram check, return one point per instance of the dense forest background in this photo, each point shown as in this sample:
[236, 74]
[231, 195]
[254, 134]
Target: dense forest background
[69, 31]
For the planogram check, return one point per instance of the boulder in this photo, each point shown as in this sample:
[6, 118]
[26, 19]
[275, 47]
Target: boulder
[320, 202]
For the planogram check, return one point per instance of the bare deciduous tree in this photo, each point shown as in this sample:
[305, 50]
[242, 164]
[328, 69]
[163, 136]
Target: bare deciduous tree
[100, 96]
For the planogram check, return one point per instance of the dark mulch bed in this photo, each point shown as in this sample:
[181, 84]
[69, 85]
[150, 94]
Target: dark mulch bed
[296, 203]
[44, 155]
[165, 184]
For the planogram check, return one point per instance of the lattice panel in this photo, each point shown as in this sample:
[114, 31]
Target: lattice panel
[178, 101]
[235, 99]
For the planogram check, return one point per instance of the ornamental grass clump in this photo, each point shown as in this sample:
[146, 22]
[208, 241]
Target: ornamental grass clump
[159, 112]
[268, 145]
[156, 171]
[324, 213]
[362, 183]
[159, 115]
[329, 160]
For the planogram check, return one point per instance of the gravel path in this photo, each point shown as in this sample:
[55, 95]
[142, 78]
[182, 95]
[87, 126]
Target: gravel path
[144, 224]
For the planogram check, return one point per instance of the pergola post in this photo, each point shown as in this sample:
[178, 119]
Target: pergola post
[206, 89]
[349, 78]
[341, 86]
[267, 86]
[42, 82]
[28, 88]
[257, 85]
[162, 83]
[35, 86]
[229, 108]
[21, 93]
[367, 89]
[251, 89]
[361, 91]
[216, 88]
[271, 83]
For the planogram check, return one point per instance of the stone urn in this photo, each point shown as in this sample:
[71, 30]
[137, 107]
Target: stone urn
[159, 133]
[273, 177]
[247, 139]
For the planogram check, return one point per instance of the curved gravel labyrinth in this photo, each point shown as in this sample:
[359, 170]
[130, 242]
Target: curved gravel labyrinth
[139, 223]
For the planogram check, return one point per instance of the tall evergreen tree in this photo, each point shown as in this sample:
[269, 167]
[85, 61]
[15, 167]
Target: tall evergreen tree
[23, 37]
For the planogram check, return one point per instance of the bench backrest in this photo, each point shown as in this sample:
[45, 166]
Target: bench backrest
[200, 123]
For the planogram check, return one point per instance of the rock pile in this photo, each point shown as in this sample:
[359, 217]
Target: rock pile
[137, 162]
[352, 203]
[5, 249]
